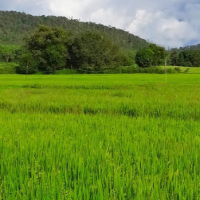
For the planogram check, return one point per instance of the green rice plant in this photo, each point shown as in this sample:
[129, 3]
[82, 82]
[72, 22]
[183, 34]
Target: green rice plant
[99, 137]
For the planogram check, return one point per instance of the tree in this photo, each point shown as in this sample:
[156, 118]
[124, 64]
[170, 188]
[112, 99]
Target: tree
[159, 55]
[8, 52]
[152, 55]
[144, 57]
[49, 47]
[189, 58]
[14, 25]
[94, 50]
[27, 64]
[174, 58]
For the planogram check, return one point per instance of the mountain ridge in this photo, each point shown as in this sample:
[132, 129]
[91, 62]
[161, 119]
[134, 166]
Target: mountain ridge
[14, 26]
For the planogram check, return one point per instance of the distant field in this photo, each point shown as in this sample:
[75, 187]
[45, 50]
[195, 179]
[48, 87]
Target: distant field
[100, 136]
[192, 70]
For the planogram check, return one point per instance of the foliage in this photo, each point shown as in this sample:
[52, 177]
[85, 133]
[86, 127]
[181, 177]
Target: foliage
[27, 63]
[152, 55]
[67, 71]
[14, 26]
[93, 51]
[9, 53]
[8, 68]
[174, 58]
[187, 58]
[48, 47]
[190, 58]
[159, 54]
[100, 137]
[144, 57]
[191, 47]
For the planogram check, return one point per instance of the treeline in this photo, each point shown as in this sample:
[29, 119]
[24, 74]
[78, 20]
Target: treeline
[85, 47]
[154, 55]
[187, 58]
[191, 47]
[49, 49]
[14, 26]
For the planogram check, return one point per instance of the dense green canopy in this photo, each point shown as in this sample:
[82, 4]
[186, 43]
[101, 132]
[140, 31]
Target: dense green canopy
[94, 50]
[14, 26]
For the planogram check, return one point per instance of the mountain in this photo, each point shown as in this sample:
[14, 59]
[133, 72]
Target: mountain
[191, 47]
[14, 26]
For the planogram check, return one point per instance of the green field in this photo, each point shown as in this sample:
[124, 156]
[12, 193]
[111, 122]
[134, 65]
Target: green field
[100, 137]
[191, 70]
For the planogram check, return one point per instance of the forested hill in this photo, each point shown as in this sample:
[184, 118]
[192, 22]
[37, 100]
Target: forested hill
[192, 47]
[14, 26]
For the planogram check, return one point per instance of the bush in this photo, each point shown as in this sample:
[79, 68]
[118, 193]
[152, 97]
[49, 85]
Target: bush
[22, 69]
[156, 70]
[7, 68]
[144, 58]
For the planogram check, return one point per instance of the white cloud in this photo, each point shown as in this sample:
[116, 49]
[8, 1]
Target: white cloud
[161, 30]
[166, 22]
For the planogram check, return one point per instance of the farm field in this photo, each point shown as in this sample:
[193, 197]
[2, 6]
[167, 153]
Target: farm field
[191, 70]
[100, 137]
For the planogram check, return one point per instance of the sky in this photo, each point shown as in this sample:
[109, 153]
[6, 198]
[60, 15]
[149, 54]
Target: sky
[170, 23]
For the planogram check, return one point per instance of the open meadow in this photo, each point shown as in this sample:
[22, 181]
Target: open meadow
[100, 137]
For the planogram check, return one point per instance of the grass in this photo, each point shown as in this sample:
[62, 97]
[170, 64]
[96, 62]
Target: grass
[192, 70]
[100, 136]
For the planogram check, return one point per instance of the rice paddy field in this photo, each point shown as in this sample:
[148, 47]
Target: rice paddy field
[100, 137]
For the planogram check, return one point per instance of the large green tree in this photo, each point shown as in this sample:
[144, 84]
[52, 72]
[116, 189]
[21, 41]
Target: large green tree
[26, 63]
[159, 54]
[95, 51]
[8, 53]
[152, 55]
[144, 57]
[48, 47]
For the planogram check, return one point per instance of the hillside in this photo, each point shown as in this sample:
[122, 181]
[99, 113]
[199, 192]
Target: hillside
[14, 26]
[191, 47]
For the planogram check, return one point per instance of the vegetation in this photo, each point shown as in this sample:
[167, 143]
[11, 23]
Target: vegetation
[8, 68]
[94, 51]
[187, 58]
[99, 136]
[191, 47]
[84, 47]
[48, 48]
[9, 53]
[152, 55]
[78, 136]
[14, 26]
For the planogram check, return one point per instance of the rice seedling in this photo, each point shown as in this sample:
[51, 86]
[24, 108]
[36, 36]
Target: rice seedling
[99, 137]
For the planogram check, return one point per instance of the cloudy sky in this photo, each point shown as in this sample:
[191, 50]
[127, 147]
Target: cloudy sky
[172, 23]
